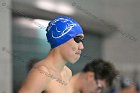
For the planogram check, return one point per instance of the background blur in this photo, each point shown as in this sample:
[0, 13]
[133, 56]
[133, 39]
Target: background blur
[111, 27]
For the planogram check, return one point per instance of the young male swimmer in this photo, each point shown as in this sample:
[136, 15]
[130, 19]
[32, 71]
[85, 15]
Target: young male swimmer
[51, 75]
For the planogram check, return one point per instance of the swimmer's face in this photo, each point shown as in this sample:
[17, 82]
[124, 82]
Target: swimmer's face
[100, 86]
[97, 85]
[71, 50]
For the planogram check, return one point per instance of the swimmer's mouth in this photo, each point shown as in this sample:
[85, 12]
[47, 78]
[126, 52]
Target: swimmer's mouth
[78, 53]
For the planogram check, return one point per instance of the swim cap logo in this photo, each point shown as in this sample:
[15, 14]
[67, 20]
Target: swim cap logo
[60, 27]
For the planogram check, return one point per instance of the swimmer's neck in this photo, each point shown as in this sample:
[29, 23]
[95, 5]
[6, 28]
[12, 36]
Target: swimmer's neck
[55, 60]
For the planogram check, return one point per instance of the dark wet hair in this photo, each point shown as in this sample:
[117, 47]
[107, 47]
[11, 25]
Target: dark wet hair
[102, 69]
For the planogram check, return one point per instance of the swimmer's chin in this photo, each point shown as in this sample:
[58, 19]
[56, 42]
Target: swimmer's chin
[74, 61]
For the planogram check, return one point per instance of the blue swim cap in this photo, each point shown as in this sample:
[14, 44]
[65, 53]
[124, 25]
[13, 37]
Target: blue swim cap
[62, 29]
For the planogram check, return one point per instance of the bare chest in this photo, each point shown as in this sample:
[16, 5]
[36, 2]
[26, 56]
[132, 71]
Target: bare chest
[58, 86]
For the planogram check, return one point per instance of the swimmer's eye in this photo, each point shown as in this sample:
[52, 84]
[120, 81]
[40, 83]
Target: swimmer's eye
[78, 39]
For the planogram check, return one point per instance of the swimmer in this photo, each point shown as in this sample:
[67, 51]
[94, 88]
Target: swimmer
[51, 75]
[94, 77]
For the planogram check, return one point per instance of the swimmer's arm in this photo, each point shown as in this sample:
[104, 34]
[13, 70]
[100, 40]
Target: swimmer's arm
[36, 81]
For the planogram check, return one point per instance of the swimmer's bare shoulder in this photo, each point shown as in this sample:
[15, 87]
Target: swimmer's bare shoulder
[37, 80]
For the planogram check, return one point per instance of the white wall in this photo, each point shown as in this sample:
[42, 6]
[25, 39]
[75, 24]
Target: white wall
[123, 47]
[5, 48]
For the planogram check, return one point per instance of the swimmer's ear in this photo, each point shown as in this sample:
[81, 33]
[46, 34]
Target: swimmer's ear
[90, 76]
